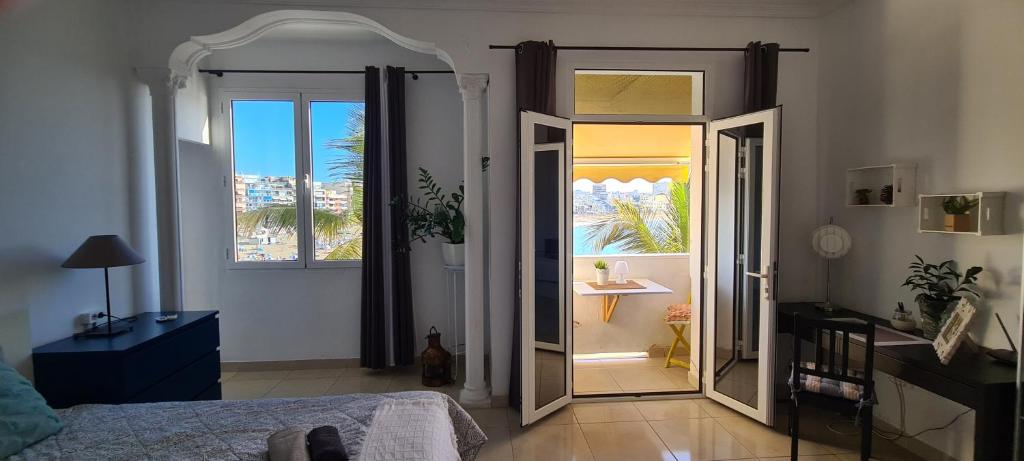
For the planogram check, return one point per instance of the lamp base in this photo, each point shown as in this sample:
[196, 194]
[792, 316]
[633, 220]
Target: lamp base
[100, 331]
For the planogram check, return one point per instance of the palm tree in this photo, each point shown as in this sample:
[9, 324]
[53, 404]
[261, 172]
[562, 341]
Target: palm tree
[646, 228]
[327, 226]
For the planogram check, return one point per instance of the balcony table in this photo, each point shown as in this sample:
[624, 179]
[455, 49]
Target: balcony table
[611, 296]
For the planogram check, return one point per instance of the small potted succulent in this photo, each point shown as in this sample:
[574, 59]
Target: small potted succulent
[863, 196]
[940, 287]
[601, 267]
[903, 319]
[958, 213]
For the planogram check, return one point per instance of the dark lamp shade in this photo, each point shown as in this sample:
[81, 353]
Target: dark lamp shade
[103, 251]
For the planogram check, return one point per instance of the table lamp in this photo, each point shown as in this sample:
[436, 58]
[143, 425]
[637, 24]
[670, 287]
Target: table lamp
[104, 251]
[620, 271]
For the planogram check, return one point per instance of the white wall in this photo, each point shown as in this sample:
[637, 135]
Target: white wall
[290, 314]
[465, 34]
[639, 321]
[64, 109]
[936, 83]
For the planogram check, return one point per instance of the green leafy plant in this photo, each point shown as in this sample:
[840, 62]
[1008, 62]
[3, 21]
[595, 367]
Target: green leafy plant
[646, 228]
[600, 264]
[436, 213]
[958, 205]
[940, 283]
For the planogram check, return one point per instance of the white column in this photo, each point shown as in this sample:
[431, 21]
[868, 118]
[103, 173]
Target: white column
[472, 86]
[163, 85]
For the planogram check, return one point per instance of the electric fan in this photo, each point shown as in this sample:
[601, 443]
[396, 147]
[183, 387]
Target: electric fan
[830, 242]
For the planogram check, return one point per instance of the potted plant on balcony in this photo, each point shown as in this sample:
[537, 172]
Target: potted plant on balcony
[437, 214]
[940, 287]
[601, 267]
[958, 209]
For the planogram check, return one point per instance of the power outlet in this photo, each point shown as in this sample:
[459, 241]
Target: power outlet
[88, 320]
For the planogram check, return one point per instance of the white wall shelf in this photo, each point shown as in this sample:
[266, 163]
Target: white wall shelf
[901, 176]
[985, 219]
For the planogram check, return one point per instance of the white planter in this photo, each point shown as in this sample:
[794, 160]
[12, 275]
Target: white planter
[453, 254]
[602, 276]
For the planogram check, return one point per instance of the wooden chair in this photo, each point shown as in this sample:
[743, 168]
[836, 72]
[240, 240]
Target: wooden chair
[830, 383]
[677, 317]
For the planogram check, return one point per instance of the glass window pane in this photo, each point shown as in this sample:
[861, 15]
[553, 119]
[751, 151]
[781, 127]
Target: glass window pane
[336, 144]
[263, 153]
[630, 187]
[618, 92]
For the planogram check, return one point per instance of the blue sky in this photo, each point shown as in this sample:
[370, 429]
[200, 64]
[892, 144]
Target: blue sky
[264, 136]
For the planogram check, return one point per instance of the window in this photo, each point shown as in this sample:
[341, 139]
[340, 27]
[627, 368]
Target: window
[631, 92]
[630, 177]
[296, 164]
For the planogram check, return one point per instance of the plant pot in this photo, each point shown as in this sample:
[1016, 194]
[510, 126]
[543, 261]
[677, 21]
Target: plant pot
[933, 314]
[602, 276]
[957, 223]
[454, 254]
[903, 321]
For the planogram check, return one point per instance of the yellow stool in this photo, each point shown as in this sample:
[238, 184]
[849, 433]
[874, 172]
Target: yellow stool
[677, 318]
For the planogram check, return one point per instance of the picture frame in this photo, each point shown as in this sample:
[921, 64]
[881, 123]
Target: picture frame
[954, 330]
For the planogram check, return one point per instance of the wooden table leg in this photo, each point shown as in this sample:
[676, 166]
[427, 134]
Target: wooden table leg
[610, 301]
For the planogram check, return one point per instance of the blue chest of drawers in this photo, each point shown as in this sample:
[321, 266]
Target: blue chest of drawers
[177, 360]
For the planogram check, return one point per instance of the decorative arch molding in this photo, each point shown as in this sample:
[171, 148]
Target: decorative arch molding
[185, 57]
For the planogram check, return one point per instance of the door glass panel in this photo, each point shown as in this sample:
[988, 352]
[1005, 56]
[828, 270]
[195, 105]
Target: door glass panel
[549, 269]
[739, 285]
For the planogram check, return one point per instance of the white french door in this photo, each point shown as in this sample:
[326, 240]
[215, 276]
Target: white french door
[545, 166]
[741, 253]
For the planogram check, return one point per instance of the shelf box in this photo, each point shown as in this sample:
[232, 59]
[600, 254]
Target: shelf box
[900, 176]
[985, 219]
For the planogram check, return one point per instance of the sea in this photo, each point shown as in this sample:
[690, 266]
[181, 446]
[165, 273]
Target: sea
[583, 247]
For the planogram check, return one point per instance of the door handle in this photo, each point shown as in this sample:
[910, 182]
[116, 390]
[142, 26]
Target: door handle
[766, 276]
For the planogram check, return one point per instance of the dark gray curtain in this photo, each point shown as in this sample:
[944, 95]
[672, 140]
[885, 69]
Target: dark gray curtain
[373, 330]
[401, 278]
[760, 76]
[535, 91]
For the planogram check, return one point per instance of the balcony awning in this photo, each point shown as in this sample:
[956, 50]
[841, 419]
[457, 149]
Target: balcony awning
[629, 151]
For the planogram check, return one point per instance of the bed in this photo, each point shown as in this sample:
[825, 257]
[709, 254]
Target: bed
[224, 430]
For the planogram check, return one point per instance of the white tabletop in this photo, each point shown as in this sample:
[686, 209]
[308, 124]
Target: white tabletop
[650, 288]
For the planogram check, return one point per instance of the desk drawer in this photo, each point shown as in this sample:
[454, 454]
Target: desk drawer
[186, 384]
[146, 367]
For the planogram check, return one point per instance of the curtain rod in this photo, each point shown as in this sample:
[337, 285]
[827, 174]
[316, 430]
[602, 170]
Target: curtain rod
[221, 72]
[648, 48]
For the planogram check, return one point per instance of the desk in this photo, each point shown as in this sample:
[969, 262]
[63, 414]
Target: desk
[611, 297]
[971, 379]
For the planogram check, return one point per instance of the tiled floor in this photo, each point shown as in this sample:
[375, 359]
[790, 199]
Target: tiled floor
[628, 376]
[691, 430]
[670, 430]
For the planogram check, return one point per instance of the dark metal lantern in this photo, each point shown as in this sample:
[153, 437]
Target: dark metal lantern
[437, 362]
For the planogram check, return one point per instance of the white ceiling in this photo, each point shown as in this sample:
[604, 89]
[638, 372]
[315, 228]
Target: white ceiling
[738, 8]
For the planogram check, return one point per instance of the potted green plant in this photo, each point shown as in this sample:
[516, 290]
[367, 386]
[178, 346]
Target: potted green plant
[940, 287]
[601, 267]
[958, 209]
[437, 214]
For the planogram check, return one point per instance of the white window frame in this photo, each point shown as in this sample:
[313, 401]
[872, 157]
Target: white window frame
[223, 128]
[700, 77]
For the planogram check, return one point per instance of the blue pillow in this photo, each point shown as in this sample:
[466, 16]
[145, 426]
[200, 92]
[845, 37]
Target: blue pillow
[24, 416]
